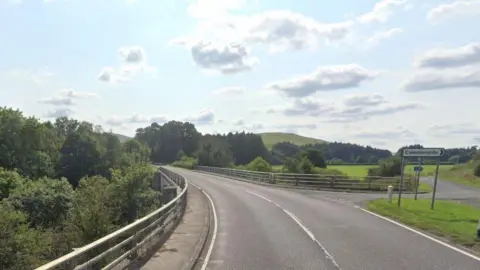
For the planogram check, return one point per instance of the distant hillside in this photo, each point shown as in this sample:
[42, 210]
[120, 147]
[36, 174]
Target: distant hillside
[271, 138]
[122, 138]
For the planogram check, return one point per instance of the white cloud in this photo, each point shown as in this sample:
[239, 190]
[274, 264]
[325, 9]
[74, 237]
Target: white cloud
[390, 134]
[350, 109]
[59, 112]
[324, 78]
[134, 119]
[133, 60]
[230, 91]
[457, 129]
[213, 8]
[456, 9]
[375, 39]
[448, 58]
[39, 76]
[224, 58]
[67, 97]
[381, 11]
[440, 80]
[204, 117]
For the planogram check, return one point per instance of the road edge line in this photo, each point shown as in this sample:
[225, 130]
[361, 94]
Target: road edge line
[215, 228]
[420, 233]
[303, 227]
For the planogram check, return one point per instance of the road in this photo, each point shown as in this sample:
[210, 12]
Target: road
[270, 228]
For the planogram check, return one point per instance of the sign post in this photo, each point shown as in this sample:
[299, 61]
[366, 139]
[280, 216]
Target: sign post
[421, 153]
[435, 184]
[418, 170]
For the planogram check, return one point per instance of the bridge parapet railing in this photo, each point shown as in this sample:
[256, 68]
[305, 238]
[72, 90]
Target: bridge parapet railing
[313, 181]
[126, 245]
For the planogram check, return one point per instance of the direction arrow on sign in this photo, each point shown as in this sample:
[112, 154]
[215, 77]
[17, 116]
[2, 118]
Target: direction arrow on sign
[423, 152]
[418, 168]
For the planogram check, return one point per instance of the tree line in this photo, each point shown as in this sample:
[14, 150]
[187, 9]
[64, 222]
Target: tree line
[174, 139]
[64, 184]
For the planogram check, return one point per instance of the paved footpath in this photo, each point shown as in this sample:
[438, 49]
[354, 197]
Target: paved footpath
[184, 245]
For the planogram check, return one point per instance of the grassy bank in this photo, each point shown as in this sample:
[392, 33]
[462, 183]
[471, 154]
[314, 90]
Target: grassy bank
[362, 170]
[461, 174]
[454, 221]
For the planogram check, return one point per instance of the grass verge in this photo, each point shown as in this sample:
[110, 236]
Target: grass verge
[452, 220]
[461, 174]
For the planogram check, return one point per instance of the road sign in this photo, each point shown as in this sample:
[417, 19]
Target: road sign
[418, 168]
[423, 152]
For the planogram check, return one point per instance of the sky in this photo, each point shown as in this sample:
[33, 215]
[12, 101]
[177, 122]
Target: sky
[383, 73]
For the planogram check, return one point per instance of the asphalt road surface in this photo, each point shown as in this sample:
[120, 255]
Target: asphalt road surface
[270, 228]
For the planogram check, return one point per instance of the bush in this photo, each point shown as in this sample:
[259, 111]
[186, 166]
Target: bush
[388, 167]
[260, 165]
[305, 166]
[185, 162]
[476, 170]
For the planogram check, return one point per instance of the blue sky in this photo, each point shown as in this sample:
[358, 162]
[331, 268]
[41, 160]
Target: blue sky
[384, 73]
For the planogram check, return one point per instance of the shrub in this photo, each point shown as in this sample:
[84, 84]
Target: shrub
[476, 170]
[388, 167]
[185, 162]
[260, 165]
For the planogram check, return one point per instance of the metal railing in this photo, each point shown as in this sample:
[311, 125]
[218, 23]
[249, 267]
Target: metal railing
[128, 244]
[313, 181]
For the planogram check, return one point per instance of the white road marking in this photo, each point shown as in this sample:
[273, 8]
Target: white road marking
[215, 228]
[303, 227]
[421, 234]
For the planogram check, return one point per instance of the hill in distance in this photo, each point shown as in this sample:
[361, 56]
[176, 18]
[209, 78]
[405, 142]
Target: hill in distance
[122, 138]
[271, 138]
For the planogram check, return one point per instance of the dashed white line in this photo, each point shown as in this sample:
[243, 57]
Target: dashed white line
[421, 234]
[215, 228]
[303, 227]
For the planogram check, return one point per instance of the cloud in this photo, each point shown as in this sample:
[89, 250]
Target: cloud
[225, 58]
[449, 58]
[134, 119]
[204, 117]
[133, 60]
[40, 76]
[448, 130]
[59, 112]
[382, 11]
[351, 109]
[397, 133]
[324, 78]
[375, 39]
[456, 9]
[230, 91]
[427, 81]
[364, 100]
[133, 55]
[67, 97]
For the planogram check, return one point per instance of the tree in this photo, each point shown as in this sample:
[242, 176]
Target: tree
[315, 156]
[259, 164]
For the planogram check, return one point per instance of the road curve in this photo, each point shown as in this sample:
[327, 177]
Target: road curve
[255, 233]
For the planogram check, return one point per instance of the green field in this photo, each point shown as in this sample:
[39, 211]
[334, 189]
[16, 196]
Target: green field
[452, 220]
[362, 170]
[271, 138]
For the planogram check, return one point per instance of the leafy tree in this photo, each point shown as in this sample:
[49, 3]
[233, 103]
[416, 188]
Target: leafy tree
[315, 156]
[259, 164]
[389, 167]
